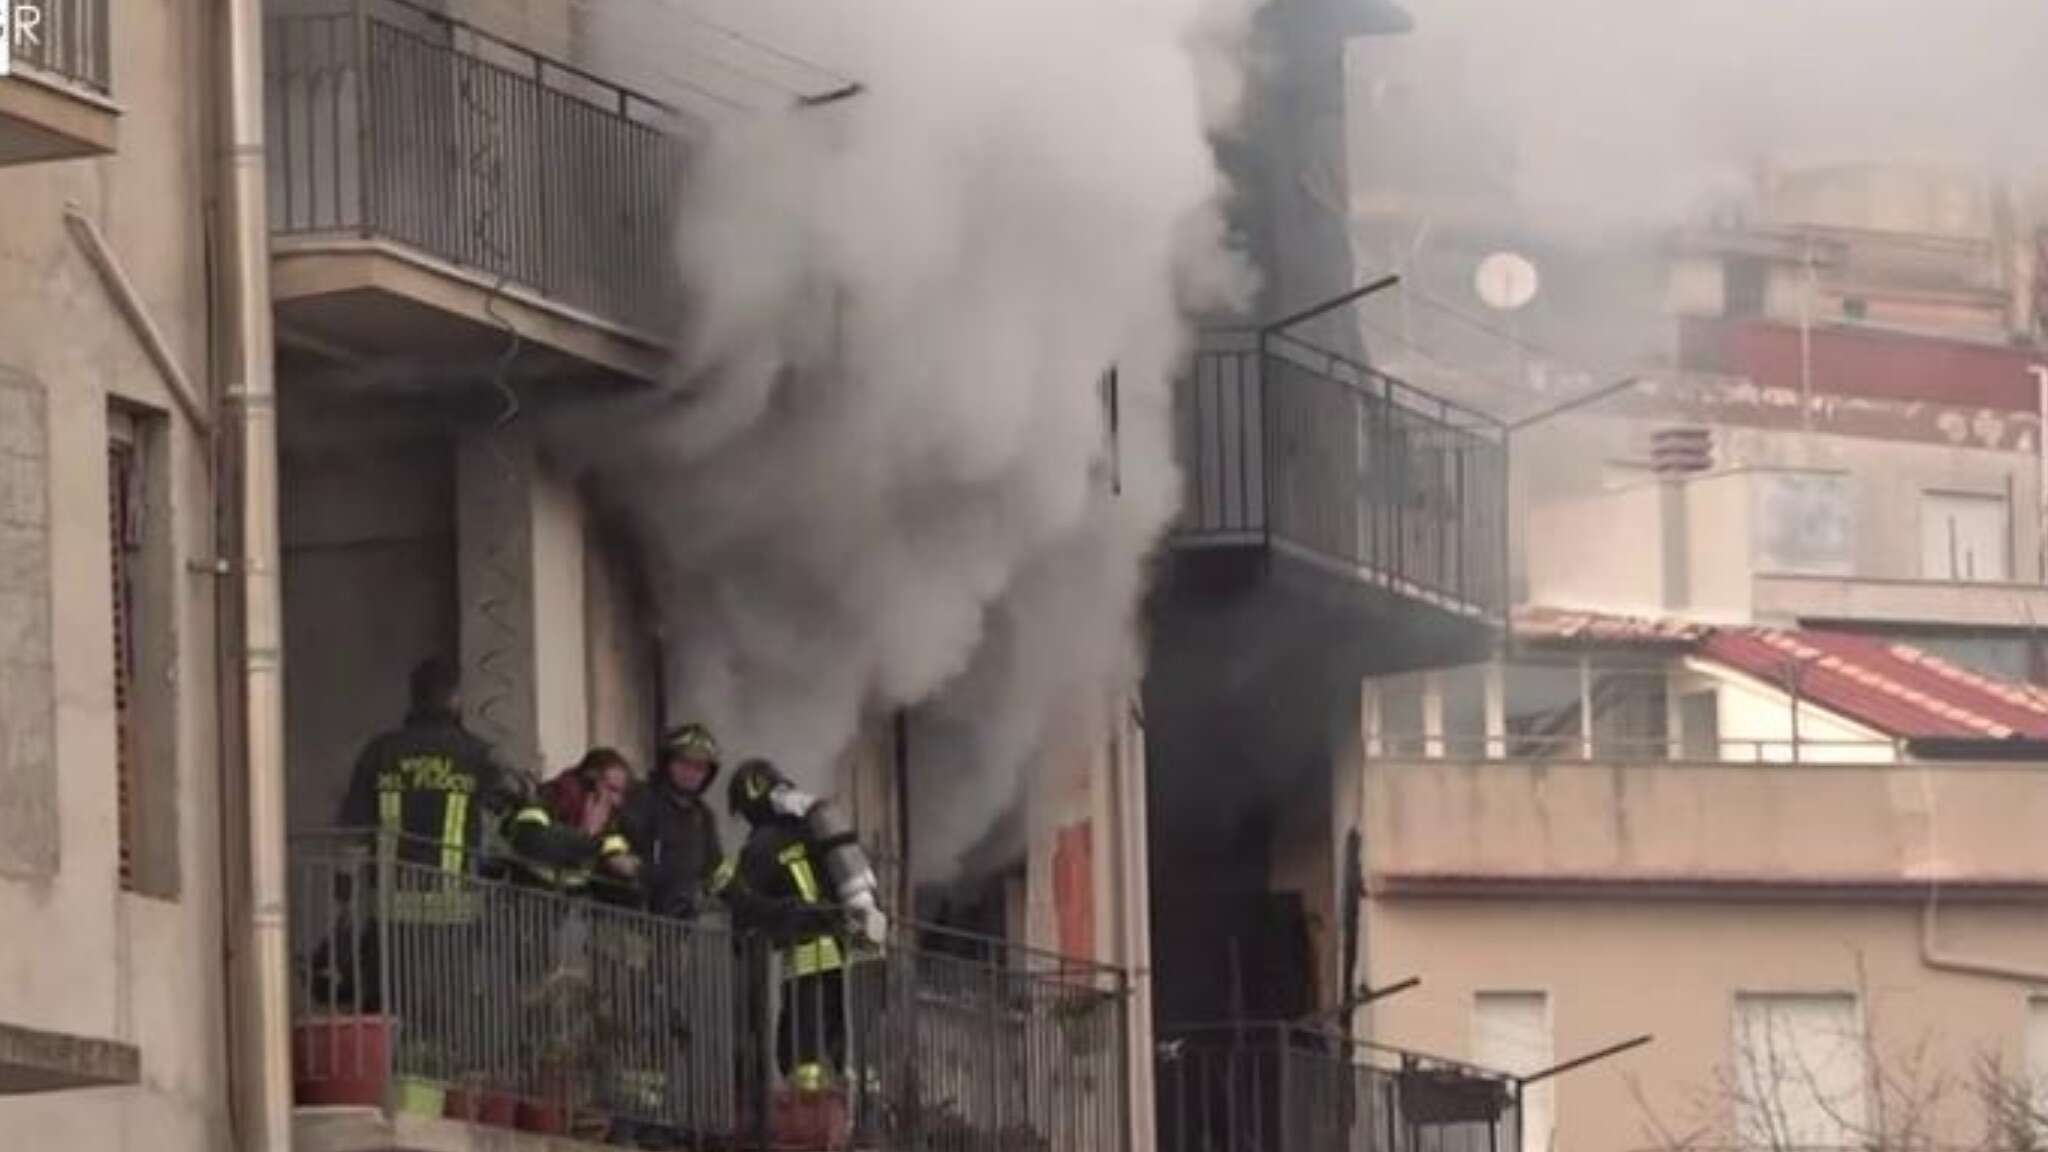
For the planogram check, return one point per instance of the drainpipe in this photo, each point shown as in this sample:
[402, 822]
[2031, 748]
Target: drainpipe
[1931, 953]
[2040, 374]
[251, 428]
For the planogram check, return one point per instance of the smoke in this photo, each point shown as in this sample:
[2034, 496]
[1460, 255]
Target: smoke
[883, 475]
[1603, 113]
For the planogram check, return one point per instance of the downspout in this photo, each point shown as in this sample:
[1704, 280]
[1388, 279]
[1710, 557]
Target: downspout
[1135, 950]
[2040, 374]
[1931, 953]
[251, 428]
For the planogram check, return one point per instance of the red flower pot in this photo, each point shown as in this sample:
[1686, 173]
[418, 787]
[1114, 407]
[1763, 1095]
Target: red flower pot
[341, 1060]
[496, 1109]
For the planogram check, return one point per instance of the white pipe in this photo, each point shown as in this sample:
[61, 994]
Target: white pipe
[1136, 946]
[1931, 953]
[2040, 374]
[87, 234]
[251, 398]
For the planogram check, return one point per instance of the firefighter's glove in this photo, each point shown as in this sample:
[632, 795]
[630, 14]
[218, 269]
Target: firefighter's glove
[866, 921]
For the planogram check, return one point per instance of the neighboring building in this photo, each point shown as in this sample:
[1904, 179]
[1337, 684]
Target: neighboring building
[1806, 862]
[111, 787]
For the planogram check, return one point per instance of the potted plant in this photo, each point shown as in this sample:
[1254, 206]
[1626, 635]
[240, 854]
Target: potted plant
[341, 1060]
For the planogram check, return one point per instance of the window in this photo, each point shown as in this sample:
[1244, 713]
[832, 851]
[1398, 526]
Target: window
[1542, 711]
[1464, 711]
[1511, 1033]
[1699, 726]
[1799, 1071]
[1630, 714]
[1963, 536]
[2036, 1065]
[140, 565]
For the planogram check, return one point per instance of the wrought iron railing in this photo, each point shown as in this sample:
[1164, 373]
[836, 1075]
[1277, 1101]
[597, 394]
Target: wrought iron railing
[65, 38]
[395, 123]
[1292, 447]
[1278, 1087]
[507, 1004]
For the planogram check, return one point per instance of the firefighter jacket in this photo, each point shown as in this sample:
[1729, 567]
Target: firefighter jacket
[775, 887]
[558, 856]
[676, 837]
[430, 785]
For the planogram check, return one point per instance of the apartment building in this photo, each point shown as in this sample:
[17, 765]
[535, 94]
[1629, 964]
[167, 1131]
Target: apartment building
[1803, 861]
[113, 1005]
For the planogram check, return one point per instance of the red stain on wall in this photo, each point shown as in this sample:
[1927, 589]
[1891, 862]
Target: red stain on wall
[1073, 889]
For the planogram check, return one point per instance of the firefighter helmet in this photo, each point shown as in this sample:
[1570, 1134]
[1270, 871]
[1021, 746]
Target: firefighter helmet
[749, 794]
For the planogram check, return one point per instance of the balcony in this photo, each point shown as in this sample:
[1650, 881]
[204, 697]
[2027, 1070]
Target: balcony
[1283, 1087]
[1342, 469]
[1480, 826]
[55, 104]
[507, 1007]
[432, 186]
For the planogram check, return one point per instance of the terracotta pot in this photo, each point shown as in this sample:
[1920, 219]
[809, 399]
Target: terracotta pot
[496, 1109]
[808, 1120]
[544, 1117]
[341, 1060]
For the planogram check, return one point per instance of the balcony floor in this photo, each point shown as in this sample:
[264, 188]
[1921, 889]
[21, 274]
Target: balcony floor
[378, 301]
[49, 120]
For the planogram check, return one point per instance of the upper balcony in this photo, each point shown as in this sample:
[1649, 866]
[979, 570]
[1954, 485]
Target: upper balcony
[432, 186]
[1287, 447]
[54, 104]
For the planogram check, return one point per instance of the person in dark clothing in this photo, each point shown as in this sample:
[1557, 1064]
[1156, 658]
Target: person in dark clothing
[776, 890]
[429, 784]
[672, 830]
[430, 790]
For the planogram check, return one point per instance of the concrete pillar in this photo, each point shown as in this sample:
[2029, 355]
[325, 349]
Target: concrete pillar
[519, 574]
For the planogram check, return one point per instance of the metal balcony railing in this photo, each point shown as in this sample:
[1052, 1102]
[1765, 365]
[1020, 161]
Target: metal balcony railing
[68, 39]
[391, 122]
[1298, 449]
[511, 1004]
[1279, 1087]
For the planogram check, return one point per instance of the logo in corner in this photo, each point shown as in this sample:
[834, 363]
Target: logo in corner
[21, 32]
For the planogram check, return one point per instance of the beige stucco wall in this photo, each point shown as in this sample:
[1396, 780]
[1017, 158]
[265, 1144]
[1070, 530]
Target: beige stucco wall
[1642, 897]
[1705, 823]
[1566, 471]
[77, 955]
[1620, 967]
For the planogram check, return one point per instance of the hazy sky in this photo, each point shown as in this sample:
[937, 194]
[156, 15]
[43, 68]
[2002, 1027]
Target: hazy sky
[1635, 108]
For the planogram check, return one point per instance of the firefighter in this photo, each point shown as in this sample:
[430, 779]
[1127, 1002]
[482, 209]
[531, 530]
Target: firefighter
[777, 890]
[428, 785]
[671, 826]
[431, 790]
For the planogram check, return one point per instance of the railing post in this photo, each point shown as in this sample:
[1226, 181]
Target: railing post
[366, 204]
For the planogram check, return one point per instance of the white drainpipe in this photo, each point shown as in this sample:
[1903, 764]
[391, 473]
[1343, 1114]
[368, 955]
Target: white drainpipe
[261, 1043]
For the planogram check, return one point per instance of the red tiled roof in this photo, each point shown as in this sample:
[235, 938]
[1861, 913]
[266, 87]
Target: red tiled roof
[1894, 688]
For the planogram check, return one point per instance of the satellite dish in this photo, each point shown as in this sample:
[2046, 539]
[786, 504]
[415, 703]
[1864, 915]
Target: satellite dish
[1505, 281]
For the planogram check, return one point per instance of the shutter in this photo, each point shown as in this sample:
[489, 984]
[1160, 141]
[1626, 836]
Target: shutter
[121, 467]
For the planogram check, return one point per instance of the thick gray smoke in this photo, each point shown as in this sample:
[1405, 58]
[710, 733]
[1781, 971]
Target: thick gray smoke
[886, 477]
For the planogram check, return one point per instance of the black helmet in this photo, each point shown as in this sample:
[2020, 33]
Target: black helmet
[746, 795]
[690, 742]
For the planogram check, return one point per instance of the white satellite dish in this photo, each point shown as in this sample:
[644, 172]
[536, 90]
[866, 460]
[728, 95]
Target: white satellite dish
[1505, 281]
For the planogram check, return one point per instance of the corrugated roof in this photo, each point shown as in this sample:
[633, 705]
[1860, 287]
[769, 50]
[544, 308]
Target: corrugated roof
[1892, 687]
[1895, 688]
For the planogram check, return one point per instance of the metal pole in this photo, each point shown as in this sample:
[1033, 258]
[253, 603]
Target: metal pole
[251, 396]
[1332, 304]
